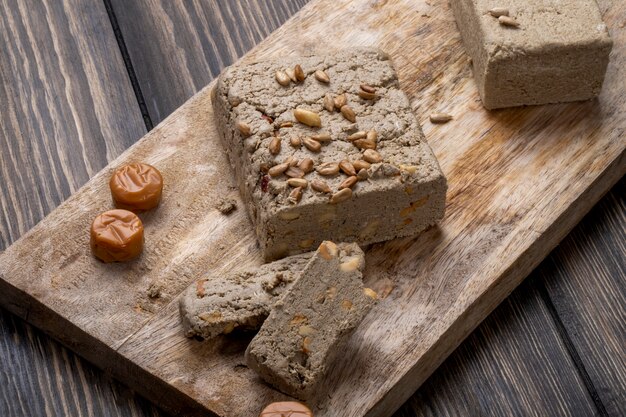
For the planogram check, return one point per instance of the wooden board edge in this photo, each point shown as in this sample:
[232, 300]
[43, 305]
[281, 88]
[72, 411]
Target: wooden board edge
[463, 326]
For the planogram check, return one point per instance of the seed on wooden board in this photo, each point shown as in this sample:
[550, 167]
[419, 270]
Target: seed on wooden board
[294, 172]
[274, 145]
[440, 118]
[362, 175]
[360, 164]
[499, 11]
[372, 135]
[307, 117]
[329, 103]
[312, 145]
[372, 156]
[365, 144]
[322, 137]
[322, 77]
[357, 135]
[340, 196]
[367, 96]
[295, 142]
[348, 113]
[306, 165]
[295, 195]
[282, 78]
[299, 73]
[277, 170]
[320, 186]
[297, 182]
[347, 167]
[244, 128]
[348, 182]
[340, 101]
[508, 21]
[291, 73]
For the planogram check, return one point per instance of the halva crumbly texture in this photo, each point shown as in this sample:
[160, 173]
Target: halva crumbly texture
[241, 300]
[327, 147]
[534, 51]
[308, 327]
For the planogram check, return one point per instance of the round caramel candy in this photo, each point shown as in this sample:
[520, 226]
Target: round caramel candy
[116, 236]
[286, 409]
[136, 187]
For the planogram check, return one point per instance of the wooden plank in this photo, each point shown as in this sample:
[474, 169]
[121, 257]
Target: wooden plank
[585, 281]
[67, 110]
[528, 369]
[64, 88]
[221, 32]
[440, 308]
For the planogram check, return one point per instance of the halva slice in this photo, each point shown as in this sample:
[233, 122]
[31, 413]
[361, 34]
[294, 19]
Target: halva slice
[241, 300]
[308, 327]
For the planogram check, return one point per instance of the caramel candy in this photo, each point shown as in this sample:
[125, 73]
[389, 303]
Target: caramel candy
[286, 409]
[116, 236]
[136, 187]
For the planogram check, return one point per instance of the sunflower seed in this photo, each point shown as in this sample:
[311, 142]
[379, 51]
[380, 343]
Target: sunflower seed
[282, 78]
[322, 77]
[299, 73]
[312, 145]
[365, 144]
[293, 161]
[286, 124]
[499, 11]
[347, 167]
[276, 170]
[307, 117]
[291, 73]
[340, 101]
[440, 118]
[362, 175]
[297, 182]
[360, 164]
[306, 165]
[322, 137]
[329, 103]
[244, 128]
[274, 145]
[348, 182]
[295, 142]
[348, 113]
[367, 96]
[340, 196]
[508, 21]
[295, 195]
[372, 156]
[358, 135]
[294, 172]
[320, 186]
[372, 135]
[367, 88]
[328, 169]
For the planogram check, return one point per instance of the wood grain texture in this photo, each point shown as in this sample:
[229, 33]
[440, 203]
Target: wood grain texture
[528, 368]
[501, 221]
[223, 30]
[64, 87]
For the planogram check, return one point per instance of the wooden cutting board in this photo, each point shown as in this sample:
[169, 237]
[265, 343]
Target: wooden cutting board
[519, 180]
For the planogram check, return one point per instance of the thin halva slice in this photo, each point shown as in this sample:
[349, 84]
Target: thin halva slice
[242, 300]
[309, 325]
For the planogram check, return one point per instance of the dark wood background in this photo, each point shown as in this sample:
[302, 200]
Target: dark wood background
[82, 80]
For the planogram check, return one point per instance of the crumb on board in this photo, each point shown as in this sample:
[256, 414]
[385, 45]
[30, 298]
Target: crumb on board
[226, 205]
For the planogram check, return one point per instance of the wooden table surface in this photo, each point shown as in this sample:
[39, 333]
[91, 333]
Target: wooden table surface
[82, 80]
